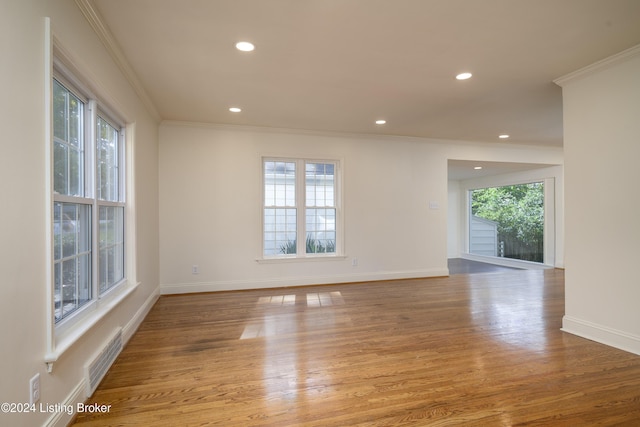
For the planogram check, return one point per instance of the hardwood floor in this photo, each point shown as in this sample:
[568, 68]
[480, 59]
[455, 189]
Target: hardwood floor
[473, 350]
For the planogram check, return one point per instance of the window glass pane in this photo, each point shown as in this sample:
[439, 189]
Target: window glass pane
[60, 119]
[280, 231]
[279, 183]
[69, 284]
[68, 150]
[60, 168]
[84, 279]
[72, 257]
[57, 291]
[111, 246]
[69, 230]
[74, 181]
[75, 121]
[319, 184]
[320, 226]
[508, 222]
[107, 157]
[57, 232]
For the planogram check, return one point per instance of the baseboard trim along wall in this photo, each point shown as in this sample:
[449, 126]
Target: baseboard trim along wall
[237, 285]
[132, 326]
[601, 334]
[62, 416]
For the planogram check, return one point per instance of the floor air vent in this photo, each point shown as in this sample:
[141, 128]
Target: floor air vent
[96, 369]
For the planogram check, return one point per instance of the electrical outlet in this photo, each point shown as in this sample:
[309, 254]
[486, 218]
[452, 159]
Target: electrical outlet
[354, 262]
[34, 389]
[195, 269]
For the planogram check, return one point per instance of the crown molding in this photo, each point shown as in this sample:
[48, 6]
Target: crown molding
[106, 37]
[601, 65]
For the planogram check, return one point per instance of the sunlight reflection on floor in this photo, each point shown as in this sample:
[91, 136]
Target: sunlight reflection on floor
[281, 310]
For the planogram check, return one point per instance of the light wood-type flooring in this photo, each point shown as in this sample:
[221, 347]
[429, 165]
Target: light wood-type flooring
[468, 350]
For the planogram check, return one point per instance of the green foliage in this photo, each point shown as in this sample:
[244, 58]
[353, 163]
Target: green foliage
[314, 246]
[519, 212]
[289, 247]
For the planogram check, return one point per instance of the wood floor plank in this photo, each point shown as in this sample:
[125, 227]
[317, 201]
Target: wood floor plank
[478, 350]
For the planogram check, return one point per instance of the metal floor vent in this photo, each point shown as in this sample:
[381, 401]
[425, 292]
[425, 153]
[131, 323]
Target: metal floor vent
[96, 369]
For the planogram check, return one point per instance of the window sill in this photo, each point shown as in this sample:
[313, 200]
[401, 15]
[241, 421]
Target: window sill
[317, 258]
[85, 322]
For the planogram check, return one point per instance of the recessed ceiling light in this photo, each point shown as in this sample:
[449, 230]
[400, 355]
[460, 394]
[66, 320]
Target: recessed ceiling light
[478, 168]
[235, 109]
[245, 46]
[503, 136]
[381, 122]
[464, 76]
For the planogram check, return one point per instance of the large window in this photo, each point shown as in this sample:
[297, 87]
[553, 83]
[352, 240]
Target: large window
[508, 221]
[300, 208]
[88, 201]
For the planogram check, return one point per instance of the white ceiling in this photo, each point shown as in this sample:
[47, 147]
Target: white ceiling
[338, 65]
[459, 170]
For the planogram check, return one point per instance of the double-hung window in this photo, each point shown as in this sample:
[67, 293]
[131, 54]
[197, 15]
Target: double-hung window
[88, 201]
[301, 215]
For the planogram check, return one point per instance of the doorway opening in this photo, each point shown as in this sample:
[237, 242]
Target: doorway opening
[508, 221]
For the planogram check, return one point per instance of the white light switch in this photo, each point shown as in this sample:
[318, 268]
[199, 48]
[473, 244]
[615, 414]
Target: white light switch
[434, 205]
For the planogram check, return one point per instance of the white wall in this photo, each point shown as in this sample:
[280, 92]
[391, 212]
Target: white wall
[210, 206]
[602, 149]
[23, 220]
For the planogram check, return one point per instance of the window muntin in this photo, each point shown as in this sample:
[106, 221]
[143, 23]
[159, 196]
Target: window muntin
[88, 203]
[299, 204]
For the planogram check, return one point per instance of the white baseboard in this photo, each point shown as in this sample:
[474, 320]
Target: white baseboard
[62, 417]
[601, 334]
[236, 285]
[132, 326]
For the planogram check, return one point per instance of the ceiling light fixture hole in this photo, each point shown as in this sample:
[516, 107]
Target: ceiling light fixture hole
[245, 46]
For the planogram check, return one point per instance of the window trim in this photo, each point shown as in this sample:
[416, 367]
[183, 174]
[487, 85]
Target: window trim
[91, 197]
[302, 256]
[64, 334]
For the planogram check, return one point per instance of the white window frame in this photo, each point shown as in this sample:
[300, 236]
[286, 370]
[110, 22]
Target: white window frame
[63, 334]
[301, 207]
